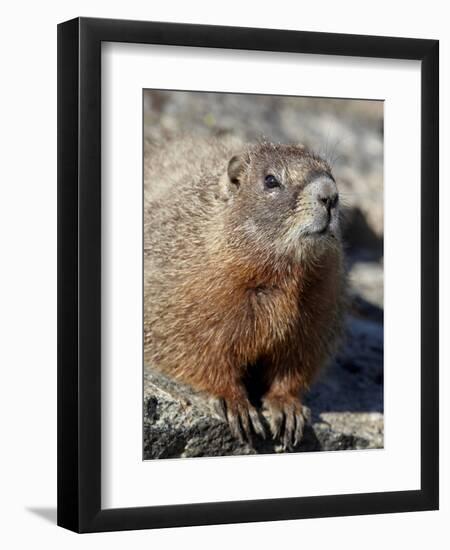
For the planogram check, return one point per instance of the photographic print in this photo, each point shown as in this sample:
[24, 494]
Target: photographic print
[263, 274]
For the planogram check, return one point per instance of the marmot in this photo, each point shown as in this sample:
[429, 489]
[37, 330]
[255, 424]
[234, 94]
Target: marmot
[243, 275]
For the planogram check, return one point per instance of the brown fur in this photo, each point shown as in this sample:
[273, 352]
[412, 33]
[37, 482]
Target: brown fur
[234, 283]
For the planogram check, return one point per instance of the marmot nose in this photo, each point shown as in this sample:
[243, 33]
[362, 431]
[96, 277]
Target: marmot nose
[325, 191]
[329, 201]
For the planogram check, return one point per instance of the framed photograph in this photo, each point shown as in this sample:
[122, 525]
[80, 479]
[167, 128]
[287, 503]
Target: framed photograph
[247, 275]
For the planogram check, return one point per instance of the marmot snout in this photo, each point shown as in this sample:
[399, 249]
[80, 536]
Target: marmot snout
[243, 275]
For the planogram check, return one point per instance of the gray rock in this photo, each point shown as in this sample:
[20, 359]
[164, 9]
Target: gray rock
[366, 281]
[366, 287]
[346, 408]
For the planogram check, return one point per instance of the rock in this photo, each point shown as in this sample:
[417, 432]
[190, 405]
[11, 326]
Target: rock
[366, 281]
[346, 408]
[366, 288]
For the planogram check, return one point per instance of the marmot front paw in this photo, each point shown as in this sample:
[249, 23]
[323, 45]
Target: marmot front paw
[241, 416]
[286, 419]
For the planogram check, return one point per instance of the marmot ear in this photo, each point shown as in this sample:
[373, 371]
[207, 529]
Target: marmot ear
[235, 170]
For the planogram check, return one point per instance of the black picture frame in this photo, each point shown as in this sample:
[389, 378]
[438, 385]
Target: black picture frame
[79, 274]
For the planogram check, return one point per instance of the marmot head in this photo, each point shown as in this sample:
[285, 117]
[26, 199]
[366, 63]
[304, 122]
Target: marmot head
[282, 199]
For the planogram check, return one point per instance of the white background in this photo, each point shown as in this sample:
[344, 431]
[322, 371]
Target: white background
[126, 479]
[28, 285]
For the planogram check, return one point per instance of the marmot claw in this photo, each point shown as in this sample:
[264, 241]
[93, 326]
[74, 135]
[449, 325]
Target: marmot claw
[242, 418]
[286, 419]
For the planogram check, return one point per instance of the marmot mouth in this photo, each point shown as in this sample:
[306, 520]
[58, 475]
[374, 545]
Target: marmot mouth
[324, 230]
[321, 229]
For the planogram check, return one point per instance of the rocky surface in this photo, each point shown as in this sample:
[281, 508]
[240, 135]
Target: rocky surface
[347, 402]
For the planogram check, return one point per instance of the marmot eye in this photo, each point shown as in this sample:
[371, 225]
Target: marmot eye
[271, 181]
